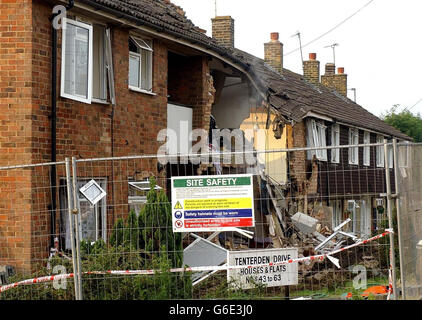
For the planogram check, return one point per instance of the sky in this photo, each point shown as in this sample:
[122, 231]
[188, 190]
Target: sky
[380, 47]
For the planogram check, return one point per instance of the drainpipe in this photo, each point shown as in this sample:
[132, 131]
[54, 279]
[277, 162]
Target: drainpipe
[53, 117]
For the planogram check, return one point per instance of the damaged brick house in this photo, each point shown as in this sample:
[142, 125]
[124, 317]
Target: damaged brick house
[117, 73]
[312, 110]
[103, 84]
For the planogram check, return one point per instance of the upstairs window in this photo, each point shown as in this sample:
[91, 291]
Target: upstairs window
[335, 141]
[317, 138]
[366, 150]
[140, 64]
[77, 61]
[354, 140]
[86, 71]
[380, 152]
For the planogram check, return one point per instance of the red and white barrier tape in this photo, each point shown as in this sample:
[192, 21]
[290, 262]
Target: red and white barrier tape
[321, 257]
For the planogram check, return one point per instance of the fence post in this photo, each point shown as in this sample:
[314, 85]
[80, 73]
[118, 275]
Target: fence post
[77, 229]
[71, 227]
[396, 179]
[390, 217]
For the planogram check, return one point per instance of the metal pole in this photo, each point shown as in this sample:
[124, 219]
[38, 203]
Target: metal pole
[396, 179]
[71, 228]
[390, 218]
[76, 215]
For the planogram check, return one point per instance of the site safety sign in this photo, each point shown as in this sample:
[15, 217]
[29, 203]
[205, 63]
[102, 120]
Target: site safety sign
[254, 273]
[212, 203]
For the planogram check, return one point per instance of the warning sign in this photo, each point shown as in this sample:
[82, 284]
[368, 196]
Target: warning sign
[259, 268]
[212, 203]
[178, 206]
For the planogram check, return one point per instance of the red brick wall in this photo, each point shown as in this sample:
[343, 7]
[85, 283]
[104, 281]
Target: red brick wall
[191, 84]
[15, 130]
[83, 130]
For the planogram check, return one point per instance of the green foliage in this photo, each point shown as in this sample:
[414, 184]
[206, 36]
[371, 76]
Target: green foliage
[406, 122]
[385, 244]
[136, 243]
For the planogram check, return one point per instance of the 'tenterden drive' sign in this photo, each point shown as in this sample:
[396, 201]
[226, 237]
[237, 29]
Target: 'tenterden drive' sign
[270, 276]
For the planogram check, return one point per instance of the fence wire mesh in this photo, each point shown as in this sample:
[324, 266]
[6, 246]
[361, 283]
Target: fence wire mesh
[131, 229]
[410, 218]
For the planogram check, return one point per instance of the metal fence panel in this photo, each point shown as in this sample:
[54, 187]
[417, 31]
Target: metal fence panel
[410, 181]
[128, 249]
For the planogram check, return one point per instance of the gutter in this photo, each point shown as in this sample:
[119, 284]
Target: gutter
[53, 117]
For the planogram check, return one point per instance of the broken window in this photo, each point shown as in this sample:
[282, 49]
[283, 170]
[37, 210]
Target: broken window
[92, 218]
[86, 62]
[140, 64]
[337, 213]
[361, 216]
[335, 141]
[317, 138]
[366, 150]
[354, 140]
[380, 152]
[138, 191]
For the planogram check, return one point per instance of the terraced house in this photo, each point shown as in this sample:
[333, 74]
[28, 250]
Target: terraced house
[116, 72]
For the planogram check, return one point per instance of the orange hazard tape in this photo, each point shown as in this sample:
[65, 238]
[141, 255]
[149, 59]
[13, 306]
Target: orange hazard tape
[321, 257]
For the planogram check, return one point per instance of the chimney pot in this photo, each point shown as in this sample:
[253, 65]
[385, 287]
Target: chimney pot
[340, 70]
[312, 56]
[274, 36]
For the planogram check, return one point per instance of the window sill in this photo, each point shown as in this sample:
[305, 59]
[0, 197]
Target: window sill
[100, 101]
[142, 91]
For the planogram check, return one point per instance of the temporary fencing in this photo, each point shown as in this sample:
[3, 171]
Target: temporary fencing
[108, 224]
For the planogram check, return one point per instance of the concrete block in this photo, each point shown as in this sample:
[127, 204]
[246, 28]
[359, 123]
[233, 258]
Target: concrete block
[305, 223]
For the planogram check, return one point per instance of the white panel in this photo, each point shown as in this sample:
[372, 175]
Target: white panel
[179, 119]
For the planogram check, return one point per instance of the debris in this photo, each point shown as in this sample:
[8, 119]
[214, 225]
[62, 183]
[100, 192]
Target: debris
[335, 261]
[202, 252]
[305, 223]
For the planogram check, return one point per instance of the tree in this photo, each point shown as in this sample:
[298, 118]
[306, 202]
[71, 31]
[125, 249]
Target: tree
[406, 122]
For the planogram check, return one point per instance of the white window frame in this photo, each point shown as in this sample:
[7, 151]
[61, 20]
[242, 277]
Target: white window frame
[103, 65]
[103, 213]
[366, 150]
[335, 141]
[108, 64]
[88, 27]
[380, 152]
[354, 140]
[142, 45]
[337, 217]
[317, 138]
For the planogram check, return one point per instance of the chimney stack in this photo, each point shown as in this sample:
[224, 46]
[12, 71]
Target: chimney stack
[337, 82]
[311, 69]
[223, 31]
[274, 53]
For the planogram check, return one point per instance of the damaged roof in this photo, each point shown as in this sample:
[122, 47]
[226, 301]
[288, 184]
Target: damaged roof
[294, 97]
[163, 16]
[288, 93]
